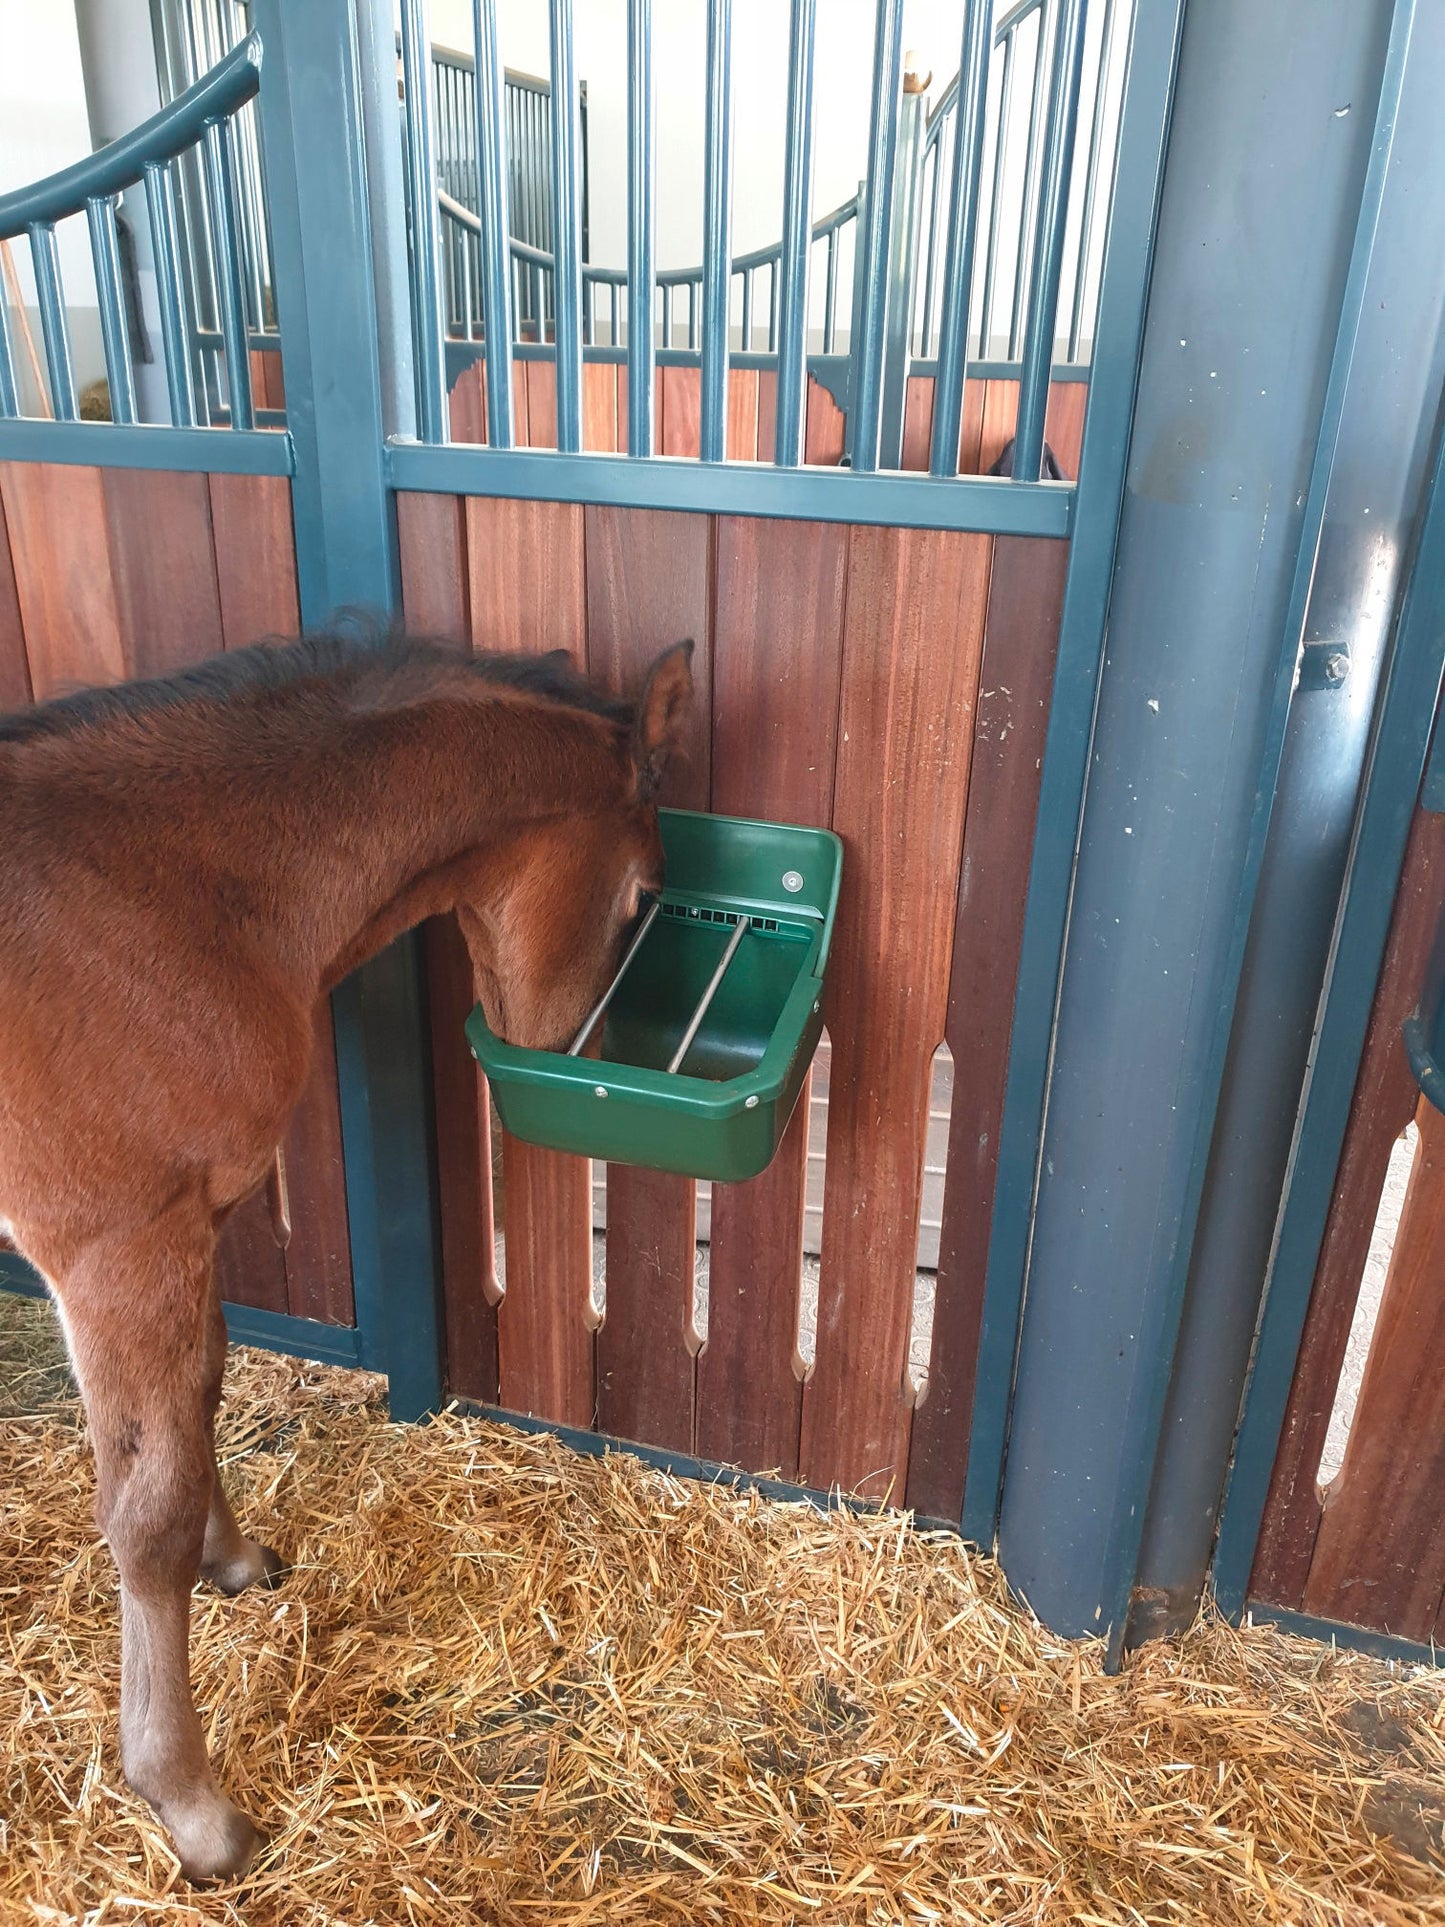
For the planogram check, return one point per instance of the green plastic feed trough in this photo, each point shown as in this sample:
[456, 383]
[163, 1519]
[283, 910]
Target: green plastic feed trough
[710, 1025]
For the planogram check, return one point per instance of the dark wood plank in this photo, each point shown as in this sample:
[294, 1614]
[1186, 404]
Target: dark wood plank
[467, 404]
[250, 1265]
[1000, 412]
[823, 428]
[647, 587]
[464, 1169]
[527, 576]
[913, 633]
[318, 1258]
[163, 563]
[970, 426]
[521, 425]
[1379, 1559]
[60, 549]
[432, 536]
[1025, 600]
[1383, 1104]
[918, 422]
[777, 654]
[255, 557]
[1064, 423]
[599, 407]
[742, 429]
[15, 690]
[541, 405]
[767, 413]
[681, 411]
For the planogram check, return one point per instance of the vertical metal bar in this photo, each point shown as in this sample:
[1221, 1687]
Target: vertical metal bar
[105, 255]
[667, 314]
[830, 293]
[717, 231]
[788, 308]
[53, 325]
[164, 246]
[1091, 181]
[930, 260]
[995, 207]
[901, 271]
[641, 224]
[566, 229]
[877, 236]
[692, 306]
[490, 101]
[962, 234]
[9, 389]
[221, 200]
[747, 327]
[1032, 168]
[1048, 261]
[425, 224]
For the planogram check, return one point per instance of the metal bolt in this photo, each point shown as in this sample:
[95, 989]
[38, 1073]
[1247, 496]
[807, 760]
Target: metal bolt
[1337, 666]
[792, 881]
[751, 1103]
[600, 1089]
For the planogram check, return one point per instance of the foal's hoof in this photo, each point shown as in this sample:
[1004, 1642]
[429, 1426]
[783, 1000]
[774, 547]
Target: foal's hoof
[258, 1565]
[213, 1840]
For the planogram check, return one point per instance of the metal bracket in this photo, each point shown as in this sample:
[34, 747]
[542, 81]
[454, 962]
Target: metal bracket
[1323, 665]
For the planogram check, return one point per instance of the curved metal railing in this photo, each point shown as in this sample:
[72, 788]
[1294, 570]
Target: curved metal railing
[201, 118]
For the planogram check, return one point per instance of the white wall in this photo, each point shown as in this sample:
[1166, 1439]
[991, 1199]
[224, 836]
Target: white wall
[43, 127]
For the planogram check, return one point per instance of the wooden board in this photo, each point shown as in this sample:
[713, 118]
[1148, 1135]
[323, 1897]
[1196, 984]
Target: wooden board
[60, 548]
[467, 404]
[15, 690]
[913, 634]
[647, 588]
[996, 427]
[1025, 601]
[1379, 1558]
[250, 1265]
[1384, 1102]
[681, 413]
[767, 413]
[255, 557]
[970, 426]
[318, 1258]
[777, 654]
[541, 405]
[432, 535]
[599, 407]
[918, 422]
[164, 568]
[527, 591]
[823, 429]
[1064, 423]
[742, 427]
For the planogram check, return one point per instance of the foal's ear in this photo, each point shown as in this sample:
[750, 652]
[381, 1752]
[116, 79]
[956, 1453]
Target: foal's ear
[663, 717]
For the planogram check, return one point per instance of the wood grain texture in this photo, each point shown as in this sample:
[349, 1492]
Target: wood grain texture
[60, 549]
[528, 592]
[318, 1258]
[1025, 601]
[777, 658]
[250, 1265]
[996, 424]
[1379, 1559]
[742, 425]
[464, 1169]
[681, 413]
[1384, 1102]
[918, 422]
[970, 426]
[913, 634]
[599, 406]
[255, 543]
[15, 690]
[823, 429]
[163, 565]
[647, 588]
[467, 405]
[541, 405]
[767, 413]
[432, 535]
[1064, 423]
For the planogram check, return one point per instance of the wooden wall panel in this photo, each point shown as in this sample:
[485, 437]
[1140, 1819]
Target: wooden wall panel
[823, 429]
[996, 426]
[777, 654]
[913, 634]
[742, 426]
[970, 427]
[681, 415]
[467, 405]
[250, 1265]
[541, 405]
[1064, 423]
[164, 568]
[599, 406]
[767, 413]
[60, 549]
[1025, 600]
[918, 422]
[647, 588]
[318, 1258]
[255, 544]
[15, 690]
[1379, 1558]
[1384, 1102]
[527, 591]
[432, 536]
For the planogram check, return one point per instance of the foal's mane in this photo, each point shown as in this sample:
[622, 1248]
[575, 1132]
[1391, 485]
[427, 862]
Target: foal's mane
[364, 661]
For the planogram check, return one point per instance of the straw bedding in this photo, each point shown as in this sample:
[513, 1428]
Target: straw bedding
[509, 1685]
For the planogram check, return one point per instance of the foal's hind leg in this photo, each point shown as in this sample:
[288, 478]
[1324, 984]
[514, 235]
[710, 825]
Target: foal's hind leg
[229, 1560]
[137, 1307]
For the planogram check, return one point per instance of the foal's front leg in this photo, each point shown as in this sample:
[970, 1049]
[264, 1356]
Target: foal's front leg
[138, 1309]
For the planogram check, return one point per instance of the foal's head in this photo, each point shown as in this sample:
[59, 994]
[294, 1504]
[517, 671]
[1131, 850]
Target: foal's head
[548, 929]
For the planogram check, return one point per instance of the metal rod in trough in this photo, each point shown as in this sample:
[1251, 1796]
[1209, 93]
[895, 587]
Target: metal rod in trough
[703, 1002]
[574, 1049]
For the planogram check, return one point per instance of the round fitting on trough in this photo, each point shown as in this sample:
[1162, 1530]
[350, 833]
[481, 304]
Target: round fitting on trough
[792, 881]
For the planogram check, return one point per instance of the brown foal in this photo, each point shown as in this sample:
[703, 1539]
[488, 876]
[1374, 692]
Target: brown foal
[186, 867]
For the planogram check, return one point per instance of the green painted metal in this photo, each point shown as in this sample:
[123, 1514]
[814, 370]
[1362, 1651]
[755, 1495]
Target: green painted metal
[983, 503]
[1336, 1632]
[215, 451]
[274, 1331]
[1392, 786]
[723, 1113]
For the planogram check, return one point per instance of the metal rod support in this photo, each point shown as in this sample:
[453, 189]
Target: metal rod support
[105, 254]
[704, 1002]
[46, 260]
[165, 246]
[221, 201]
[876, 239]
[641, 225]
[425, 224]
[578, 1044]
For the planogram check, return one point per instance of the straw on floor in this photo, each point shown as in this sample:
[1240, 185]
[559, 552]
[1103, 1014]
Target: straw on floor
[506, 1684]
